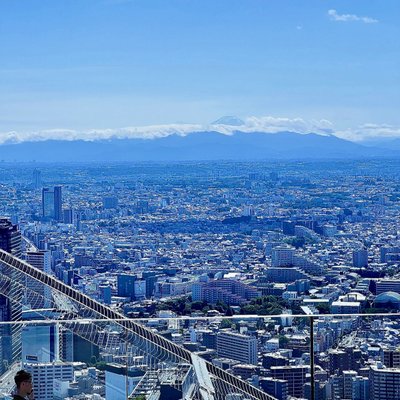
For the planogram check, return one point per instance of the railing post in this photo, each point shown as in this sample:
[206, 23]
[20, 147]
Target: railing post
[312, 380]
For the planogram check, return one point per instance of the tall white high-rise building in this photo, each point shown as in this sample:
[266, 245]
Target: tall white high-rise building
[237, 347]
[282, 256]
[45, 375]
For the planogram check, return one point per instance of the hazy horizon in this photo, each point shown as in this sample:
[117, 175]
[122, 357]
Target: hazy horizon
[99, 67]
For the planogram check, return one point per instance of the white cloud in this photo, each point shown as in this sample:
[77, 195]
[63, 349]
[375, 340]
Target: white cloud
[139, 132]
[266, 124]
[278, 124]
[350, 17]
[369, 131]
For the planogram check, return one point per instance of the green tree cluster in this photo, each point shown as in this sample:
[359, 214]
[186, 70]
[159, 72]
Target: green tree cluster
[266, 305]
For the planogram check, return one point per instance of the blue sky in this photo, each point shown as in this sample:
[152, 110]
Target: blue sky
[83, 65]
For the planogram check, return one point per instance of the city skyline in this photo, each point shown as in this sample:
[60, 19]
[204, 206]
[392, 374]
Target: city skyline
[200, 199]
[198, 269]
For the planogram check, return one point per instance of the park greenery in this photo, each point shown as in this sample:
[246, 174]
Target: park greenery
[265, 305]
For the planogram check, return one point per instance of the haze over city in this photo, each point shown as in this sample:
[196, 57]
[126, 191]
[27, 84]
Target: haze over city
[199, 200]
[97, 68]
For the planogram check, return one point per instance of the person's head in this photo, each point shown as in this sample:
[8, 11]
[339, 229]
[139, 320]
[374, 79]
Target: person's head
[23, 380]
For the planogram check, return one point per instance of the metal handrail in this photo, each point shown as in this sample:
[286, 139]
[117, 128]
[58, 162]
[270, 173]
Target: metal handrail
[202, 318]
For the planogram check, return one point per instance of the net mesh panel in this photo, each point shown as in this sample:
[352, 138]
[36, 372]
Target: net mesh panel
[120, 336]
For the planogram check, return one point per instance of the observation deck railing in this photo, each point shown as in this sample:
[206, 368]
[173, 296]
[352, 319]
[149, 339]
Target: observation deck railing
[310, 351]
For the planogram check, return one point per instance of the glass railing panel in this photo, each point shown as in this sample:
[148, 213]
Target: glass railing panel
[354, 357]
[357, 356]
[228, 356]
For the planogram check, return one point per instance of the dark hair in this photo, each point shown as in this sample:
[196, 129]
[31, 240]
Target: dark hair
[22, 376]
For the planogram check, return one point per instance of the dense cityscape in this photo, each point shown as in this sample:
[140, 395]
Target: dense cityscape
[183, 248]
[199, 200]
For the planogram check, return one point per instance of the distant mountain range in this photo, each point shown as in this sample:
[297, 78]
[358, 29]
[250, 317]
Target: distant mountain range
[195, 146]
[383, 143]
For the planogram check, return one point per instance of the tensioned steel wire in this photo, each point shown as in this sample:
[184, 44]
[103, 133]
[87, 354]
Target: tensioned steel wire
[14, 294]
[151, 344]
[110, 338]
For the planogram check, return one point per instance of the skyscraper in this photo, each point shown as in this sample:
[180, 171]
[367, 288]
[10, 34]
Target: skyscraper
[38, 296]
[10, 339]
[126, 285]
[10, 237]
[37, 179]
[47, 203]
[52, 203]
[58, 215]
